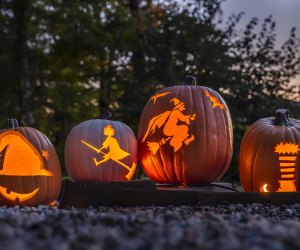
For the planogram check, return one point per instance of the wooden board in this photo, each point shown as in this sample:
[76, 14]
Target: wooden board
[146, 193]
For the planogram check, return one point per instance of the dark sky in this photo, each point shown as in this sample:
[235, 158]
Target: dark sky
[286, 13]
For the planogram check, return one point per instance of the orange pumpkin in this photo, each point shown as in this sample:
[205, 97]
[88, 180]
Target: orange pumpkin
[185, 135]
[268, 159]
[30, 172]
[101, 150]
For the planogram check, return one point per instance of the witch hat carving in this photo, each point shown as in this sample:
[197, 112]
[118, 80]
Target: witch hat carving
[19, 157]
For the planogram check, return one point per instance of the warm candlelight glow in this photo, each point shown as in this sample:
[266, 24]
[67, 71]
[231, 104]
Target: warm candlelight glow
[175, 127]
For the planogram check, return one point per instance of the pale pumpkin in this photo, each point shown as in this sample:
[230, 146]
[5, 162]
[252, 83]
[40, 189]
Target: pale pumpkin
[101, 150]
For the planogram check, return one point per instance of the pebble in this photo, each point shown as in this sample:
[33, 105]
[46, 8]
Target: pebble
[289, 212]
[226, 226]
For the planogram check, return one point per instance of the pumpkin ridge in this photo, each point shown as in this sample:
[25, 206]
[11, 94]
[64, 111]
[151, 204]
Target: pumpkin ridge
[229, 144]
[216, 148]
[297, 172]
[118, 137]
[169, 165]
[176, 90]
[193, 90]
[46, 166]
[157, 176]
[161, 159]
[206, 127]
[90, 127]
[244, 148]
[34, 177]
[181, 168]
[225, 145]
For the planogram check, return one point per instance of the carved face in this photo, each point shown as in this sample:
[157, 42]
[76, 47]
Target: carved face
[185, 136]
[29, 168]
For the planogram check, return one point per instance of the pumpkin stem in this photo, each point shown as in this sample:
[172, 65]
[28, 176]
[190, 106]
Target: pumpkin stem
[105, 116]
[190, 80]
[12, 123]
[282, 118]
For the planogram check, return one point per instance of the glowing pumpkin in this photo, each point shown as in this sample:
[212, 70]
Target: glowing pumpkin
[185, 135]
[29, 167]
[101, 150]
[268, 159]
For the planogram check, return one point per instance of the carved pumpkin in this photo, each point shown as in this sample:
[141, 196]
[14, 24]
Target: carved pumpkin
[29, 167]
[268, 159]
[185, 135]
[101, 150]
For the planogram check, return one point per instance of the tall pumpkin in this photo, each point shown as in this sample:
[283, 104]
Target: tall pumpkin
[101, 150]
[185, 135]
[269, 155]
[30, 172]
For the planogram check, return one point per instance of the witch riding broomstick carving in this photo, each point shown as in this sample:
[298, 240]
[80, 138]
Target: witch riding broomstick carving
[115, 152]
[175, 134]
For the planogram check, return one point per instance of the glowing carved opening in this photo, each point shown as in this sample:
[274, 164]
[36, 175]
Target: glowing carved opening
[115, 153]
[17, 197]
[287, 164]
[45, 154]
[159, 95]
[264, 188]
[175, 134]
[214, 100]
[18, 157]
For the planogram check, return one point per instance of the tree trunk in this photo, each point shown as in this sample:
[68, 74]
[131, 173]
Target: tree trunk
[138, 55]
[20, 9]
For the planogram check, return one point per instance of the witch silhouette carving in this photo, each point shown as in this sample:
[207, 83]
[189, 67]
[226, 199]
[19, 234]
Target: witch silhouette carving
[175, 128]
[112, 152]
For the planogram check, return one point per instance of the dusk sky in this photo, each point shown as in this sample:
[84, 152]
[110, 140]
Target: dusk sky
[286, 13]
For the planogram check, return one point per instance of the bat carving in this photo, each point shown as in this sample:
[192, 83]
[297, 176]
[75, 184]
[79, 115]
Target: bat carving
[155, 97]
[214, 100]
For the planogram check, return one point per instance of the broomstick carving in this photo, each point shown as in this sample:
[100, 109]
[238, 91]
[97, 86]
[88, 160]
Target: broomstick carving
[154, 146]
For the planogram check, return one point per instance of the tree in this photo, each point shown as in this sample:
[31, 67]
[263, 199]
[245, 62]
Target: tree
[65, 62]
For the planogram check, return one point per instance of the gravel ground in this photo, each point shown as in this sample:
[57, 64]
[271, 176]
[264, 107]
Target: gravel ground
[237, 226]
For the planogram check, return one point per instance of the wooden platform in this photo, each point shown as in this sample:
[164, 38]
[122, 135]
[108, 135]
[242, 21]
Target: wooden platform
[146, 193]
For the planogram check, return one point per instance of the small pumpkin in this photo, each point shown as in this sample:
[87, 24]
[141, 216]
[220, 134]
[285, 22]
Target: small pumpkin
[101, 150]
[30, 172]
[269, 154]
[185, 135]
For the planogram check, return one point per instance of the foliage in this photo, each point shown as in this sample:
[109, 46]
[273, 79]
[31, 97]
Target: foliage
[65, 62]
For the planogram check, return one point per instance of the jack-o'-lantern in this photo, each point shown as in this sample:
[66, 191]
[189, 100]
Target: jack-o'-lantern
[268, 159]
[101, 150]
[30, 172]
[185, 135]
